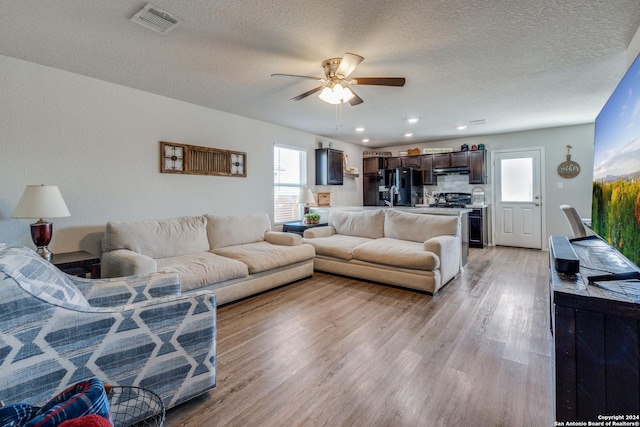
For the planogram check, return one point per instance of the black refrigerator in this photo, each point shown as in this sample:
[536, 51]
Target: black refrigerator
[408, 182]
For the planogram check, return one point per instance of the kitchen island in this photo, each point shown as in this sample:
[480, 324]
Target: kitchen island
[462, 213]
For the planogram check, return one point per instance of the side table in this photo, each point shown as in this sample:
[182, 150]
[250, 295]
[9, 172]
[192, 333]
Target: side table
[298, 227]
[80, 263]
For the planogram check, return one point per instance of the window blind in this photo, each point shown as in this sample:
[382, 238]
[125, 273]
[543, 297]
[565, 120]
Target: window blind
[289, 177]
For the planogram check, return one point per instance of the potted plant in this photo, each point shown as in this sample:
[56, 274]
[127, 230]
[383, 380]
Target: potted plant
[311, 218]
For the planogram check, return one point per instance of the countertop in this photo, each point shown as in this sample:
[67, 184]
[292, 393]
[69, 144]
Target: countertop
[420, 209]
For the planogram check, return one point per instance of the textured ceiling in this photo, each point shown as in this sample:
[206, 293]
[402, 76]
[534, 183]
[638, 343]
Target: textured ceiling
[521, 64]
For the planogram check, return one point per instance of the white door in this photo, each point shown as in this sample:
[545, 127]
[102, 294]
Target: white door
[518, 199]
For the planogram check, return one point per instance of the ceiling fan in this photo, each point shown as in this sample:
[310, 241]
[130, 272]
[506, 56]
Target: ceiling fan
[337, 72]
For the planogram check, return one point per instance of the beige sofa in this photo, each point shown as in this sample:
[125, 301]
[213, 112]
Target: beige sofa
[418, 251]
[233, 255]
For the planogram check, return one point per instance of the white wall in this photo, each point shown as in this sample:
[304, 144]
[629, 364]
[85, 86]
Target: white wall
[634, 48]
[99, 142]
[576, 191]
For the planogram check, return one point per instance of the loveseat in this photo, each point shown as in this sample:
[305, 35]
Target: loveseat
[234, 255]
[418, 251]
[57, 330]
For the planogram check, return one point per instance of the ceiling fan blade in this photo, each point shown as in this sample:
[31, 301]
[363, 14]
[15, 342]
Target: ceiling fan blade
[355, 100]
[321, 79]
[348, 63]
[379, 81]
[307, 93]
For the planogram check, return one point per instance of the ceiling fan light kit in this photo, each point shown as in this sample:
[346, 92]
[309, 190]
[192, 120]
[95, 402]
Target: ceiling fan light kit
[335, 93]
[337, 71]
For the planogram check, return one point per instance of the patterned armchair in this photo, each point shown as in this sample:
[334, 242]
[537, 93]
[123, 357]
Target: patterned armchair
[57, 330]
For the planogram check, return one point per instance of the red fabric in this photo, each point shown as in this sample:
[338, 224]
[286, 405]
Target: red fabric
[91, 420]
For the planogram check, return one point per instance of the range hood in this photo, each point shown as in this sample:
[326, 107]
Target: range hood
[454, 170]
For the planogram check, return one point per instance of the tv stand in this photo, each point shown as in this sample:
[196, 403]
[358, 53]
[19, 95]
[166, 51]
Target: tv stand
[596, 330]
[614, 277]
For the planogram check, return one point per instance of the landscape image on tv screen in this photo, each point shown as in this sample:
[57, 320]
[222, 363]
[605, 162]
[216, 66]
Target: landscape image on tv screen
[615, 214]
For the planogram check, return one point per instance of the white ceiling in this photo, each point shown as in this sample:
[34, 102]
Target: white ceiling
[519, 64]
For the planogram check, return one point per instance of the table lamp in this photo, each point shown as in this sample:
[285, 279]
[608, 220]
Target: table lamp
[41, 201]
[306, 198]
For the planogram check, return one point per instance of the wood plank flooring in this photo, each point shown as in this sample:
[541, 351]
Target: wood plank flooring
[334, 351]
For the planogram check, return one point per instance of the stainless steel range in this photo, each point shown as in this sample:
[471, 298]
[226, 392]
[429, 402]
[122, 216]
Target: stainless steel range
[452, 200]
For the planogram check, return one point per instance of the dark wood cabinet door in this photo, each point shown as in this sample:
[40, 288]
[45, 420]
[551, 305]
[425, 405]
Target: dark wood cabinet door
[370, 193]
[477, 167]
[441, 160]
[394, 162]
[372, 165]
[411, 162]
[426, 164]
[459, 159]
[329, 167]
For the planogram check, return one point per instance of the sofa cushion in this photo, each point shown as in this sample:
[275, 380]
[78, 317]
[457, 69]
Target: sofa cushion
[159, 239]
[202, 269]
[230, 230]
[336, 245]
[368, 224]
[418, 227]
[263, 256]
[399, 253]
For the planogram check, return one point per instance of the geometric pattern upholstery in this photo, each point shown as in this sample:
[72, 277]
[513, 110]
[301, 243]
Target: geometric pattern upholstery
[132, 331]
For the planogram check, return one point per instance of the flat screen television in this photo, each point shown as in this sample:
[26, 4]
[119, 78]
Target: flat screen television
[615, 213]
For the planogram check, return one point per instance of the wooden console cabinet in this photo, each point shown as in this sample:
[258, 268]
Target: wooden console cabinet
[595, 338]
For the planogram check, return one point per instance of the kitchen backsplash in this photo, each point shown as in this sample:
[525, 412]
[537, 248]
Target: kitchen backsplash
[456, 184]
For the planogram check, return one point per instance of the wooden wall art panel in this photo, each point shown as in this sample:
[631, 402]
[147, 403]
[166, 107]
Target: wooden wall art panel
[195, 160]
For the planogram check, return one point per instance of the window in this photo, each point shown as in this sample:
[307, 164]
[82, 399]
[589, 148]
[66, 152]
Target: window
[517, 180]
[289, 177]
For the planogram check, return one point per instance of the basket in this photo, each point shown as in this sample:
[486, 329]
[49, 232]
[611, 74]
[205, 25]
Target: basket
[135, 406]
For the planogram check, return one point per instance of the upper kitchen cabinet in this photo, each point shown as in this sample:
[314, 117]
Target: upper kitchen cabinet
[451, 160]
[372, 165]
[394, 162]
[329, 166]
[411, 161]
[406, 161]
[477, 167]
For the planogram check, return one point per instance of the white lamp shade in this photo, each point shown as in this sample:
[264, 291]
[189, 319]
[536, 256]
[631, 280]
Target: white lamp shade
[41, 201]
[305, 196]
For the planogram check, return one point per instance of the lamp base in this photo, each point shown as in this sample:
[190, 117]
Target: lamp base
[41, 233]
[44, 252]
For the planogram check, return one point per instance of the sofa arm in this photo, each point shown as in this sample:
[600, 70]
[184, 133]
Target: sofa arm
[282, 238]
[167, 345]
[324, 231]
[126, 290]
[123, 262]
[449, 250]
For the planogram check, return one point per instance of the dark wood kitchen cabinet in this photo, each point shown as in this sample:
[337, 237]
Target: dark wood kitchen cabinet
[394, 162]
[451, 160]
[478, 228]
[371, 191]
[372, 165]
[426, 164]
[329, 166]
[477, 167]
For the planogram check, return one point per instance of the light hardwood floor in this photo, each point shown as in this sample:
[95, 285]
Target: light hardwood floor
[333, 351]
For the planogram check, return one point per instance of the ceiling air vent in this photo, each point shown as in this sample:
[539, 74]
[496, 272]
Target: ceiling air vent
[155, 19]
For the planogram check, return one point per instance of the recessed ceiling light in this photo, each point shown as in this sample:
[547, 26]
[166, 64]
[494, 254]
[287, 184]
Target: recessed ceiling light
[408, 134]
[365, 140]
[412, 119]
[360, 129]
[461, 127]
